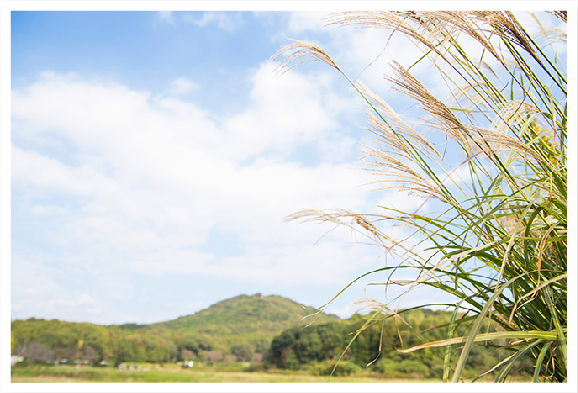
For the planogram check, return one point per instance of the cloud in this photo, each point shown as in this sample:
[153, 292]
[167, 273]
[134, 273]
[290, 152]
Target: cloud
[152, 177]
[182, 86]
[460, 175]
[145, 183]
[47, 210]
[363, 53]
[304, 21]
[403, 201]
[166, 16]
[326, 262]
[35, 290]
[229, 21]
[285, 111]
[85, 299]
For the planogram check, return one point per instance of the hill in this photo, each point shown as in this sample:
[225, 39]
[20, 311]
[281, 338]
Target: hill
[240, 326]
[245, 314]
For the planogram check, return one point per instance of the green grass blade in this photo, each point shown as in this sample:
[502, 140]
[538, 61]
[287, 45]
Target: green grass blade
[561, 335]
[540, 360]
[513, 360]
[527, 335]
[474, 333]
[448, 349]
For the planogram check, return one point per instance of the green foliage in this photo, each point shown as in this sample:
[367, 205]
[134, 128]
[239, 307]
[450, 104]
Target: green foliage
[247, 322]
[240, 326]
[243, 315]
[393, 367]
[317, 348]
[497, 238]
[210, 374]
[242, 351]
[328, 369]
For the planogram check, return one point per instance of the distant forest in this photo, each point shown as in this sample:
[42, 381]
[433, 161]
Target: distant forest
[266, 331]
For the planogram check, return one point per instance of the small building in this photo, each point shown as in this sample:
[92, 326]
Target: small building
[16, 359]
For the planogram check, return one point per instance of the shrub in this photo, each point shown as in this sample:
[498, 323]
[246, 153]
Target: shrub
[343, 369]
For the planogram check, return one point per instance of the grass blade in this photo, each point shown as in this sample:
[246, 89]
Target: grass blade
[540, 360]
[514, 358]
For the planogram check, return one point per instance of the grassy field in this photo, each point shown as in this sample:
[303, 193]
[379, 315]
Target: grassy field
[66, 374]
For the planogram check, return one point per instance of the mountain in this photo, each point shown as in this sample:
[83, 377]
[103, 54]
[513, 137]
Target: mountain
[241, 326]
[245, 314]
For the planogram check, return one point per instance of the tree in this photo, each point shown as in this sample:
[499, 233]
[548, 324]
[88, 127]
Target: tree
[36, 352]
[242, 351]
[213, 356]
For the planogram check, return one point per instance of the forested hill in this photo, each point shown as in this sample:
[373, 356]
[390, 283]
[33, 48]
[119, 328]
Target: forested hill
[242, 326]
[262, 330]
[246, 315]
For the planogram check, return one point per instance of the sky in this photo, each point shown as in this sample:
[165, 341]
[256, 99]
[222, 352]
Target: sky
[155, 156]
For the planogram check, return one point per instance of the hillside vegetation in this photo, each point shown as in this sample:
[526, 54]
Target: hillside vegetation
[239, 326]
[243, 315]
[329, 349]
[268, 332]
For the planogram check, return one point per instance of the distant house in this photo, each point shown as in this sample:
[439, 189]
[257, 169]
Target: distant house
[36, 352]
[16, 359]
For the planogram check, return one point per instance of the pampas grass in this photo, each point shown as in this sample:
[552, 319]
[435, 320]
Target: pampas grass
[509, 215]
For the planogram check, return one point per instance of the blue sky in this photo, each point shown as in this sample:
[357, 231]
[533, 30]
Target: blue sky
[156, 154]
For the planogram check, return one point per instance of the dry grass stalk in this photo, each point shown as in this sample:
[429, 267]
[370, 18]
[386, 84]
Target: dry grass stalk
[512, 221]
[410, 86]
[388, 132]
[299, 50]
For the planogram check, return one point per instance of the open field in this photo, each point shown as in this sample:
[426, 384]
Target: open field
[65, 374]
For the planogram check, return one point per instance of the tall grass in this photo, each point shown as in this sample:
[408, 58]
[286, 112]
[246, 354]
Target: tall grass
[497, 241]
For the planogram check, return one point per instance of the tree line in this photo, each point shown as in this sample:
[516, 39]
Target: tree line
[319, 347]
[316, 348]
[43, 340]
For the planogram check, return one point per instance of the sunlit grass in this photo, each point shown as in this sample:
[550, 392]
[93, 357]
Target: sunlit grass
[496, 238]
[176, 375]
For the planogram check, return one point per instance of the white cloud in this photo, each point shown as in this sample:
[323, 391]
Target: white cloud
[304, 21]
[229, 21]
[30, 166]
[47, 210]
[35, 290]
[85, 299]
[166, 16]
[459, 176]
[154, 175]
[326, 262]
[284, 112]
[363, 53]
[182, 86]
[402, 200]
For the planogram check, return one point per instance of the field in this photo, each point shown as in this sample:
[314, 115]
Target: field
[69, 374]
